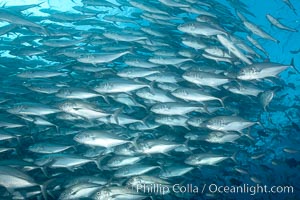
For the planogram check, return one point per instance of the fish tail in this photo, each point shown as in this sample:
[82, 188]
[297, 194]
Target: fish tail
[44, 191]
[233, 157]
[293, 66]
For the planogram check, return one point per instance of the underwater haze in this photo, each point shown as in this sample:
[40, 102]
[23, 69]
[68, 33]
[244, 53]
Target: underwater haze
[149, 99]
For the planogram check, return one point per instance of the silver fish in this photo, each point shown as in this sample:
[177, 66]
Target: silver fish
[100, 138]
[278, 24]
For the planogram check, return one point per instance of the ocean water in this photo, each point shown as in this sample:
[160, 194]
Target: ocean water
[119, 99]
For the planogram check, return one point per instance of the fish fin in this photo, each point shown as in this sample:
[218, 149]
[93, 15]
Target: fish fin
[142, 106]
[233, 157]
[151, 87]
[293, 66]
[186, 144]
[259, 123]
[4, 4]
[116, 113]
[206, 109]
[248, 135]
[105, 99]
[143, 121]
[10, 190]
[134, 142]
[39, 4]
[172, 127]
[221, 100]
[138, 104]
[44, 170]
[265, 109]
[98, 162]
[71, 169]
[44, 191]
[131, 51]
[166, 154]
[187, 127]
[56, 128]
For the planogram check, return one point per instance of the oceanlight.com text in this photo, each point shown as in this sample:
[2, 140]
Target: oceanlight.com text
[250, 189]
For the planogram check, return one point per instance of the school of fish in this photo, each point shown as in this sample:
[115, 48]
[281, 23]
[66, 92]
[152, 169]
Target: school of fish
[176, 92]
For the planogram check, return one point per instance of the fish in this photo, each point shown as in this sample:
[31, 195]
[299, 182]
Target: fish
[245, 89]
[188, 94]
[156, 146]
[136, 72]
[154, 94]
[60, 43]
[258, 31]
[295, 51]
[176, 170]
[98, 58]
[100, 138]
[67, 161]
[172, 120]
[221, 137]
[119, 85]
[261, 70]
[139, 62]
[266, 97]
[206, 159]
[17, 179]
[21, 8]
[233, 49]
[6, 29]
[136, 170]
[48, 148]
[193, 42]
[173, 108]
[202, 78]
[160, 60]
[124, 37]
[40, 74]
[76, 93]
[167, 77]
[126, 99]
[35, 109]
[228, 123]
[81, 190]
[278, 24]
[147, 7]
[114, 192]
[257, 45]
[173, 4]
[197, 121]
[120, 119]
[120, 161]
[14, 18]
[290, 5]
[200, 28]
[81, 109]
